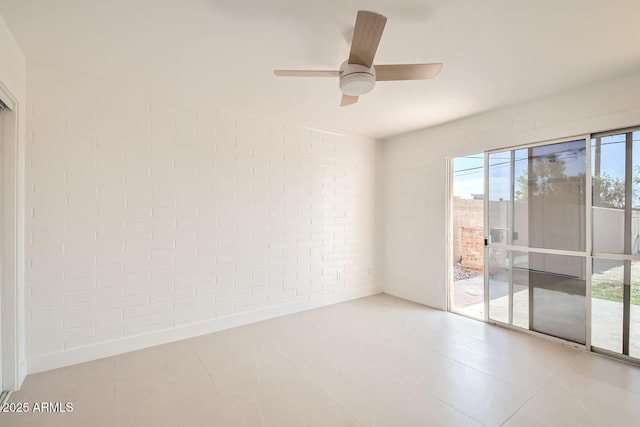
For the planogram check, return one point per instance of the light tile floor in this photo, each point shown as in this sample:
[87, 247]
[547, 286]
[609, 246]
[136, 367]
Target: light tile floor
[377, 361]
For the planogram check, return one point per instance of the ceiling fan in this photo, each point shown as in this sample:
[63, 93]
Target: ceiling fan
[358, 75]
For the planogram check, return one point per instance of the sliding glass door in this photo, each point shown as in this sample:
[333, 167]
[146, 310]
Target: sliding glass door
[562, 240]
[537, 238]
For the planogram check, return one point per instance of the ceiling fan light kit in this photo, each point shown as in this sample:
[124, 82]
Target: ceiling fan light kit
[356, 80]
[357, 75]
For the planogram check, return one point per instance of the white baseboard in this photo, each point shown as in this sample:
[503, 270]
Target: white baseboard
[46, 362]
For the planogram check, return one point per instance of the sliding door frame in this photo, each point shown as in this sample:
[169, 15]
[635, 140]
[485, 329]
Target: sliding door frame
[586, 254]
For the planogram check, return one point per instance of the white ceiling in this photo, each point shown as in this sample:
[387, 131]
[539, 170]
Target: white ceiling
[496, 52]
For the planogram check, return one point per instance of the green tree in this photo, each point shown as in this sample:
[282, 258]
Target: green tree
[608, 192]
[522, 186]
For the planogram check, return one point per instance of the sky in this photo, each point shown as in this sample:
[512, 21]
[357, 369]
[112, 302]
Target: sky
[468, 175]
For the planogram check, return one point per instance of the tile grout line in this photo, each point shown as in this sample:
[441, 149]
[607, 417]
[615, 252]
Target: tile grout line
[295, 368]
[549, 381]
[421, 390]
[417, 387]
[491, 375]
[316, 386]
[433, 352]
[229, 405]
[610, 359]
[529, 399]
[408, 382]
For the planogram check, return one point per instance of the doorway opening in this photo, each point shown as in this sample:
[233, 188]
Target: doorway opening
[466, 294]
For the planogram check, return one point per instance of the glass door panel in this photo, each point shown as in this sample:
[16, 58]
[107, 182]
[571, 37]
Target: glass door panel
[607, 293]
[500, 195]
[499, 270]
[557, 291]
[509, 287]
[520, 286]
[556, 195]
[615, 287]
[521, 197]
[609, 190]
[537, 201]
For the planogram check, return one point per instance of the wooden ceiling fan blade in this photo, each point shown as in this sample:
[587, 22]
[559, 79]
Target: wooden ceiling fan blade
[348, 100]
[366, 37]
[407, 71]
[306, 73]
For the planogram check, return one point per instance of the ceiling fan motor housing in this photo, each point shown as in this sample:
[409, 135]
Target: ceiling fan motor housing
[356, 80]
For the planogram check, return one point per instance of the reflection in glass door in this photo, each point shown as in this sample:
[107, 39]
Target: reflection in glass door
[536, 218]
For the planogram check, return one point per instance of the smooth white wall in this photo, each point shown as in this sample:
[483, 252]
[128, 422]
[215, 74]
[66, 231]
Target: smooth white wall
[12, 63]
[13, 78]
[415, 177]
[152, 218]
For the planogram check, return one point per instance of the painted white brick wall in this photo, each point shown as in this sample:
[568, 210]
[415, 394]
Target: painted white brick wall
[147, 213]
[413, 174]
